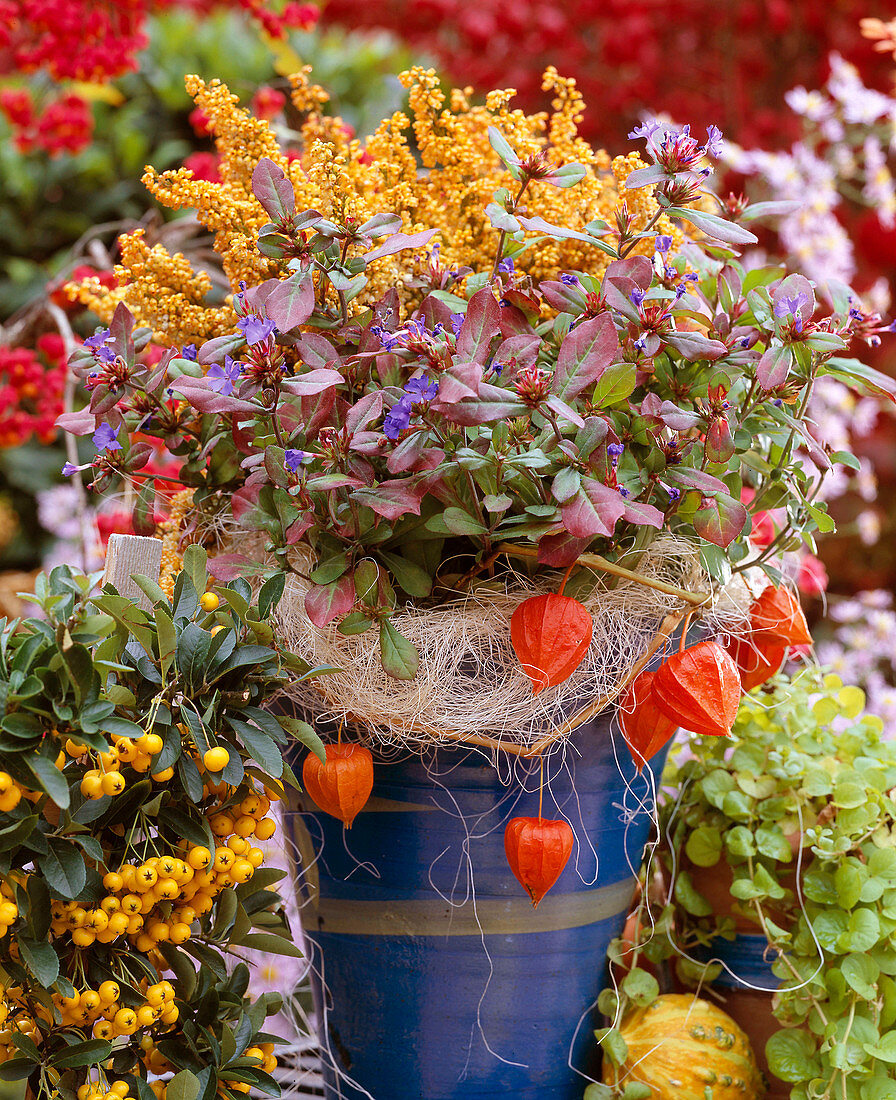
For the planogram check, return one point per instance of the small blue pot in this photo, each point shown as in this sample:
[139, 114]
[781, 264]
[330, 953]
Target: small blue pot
[436, 979]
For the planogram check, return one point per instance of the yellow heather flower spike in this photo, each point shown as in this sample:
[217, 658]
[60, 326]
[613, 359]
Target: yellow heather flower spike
[340, 176]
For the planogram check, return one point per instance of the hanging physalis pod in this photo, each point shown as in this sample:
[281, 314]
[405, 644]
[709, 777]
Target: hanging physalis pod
[757, 659]
[645, 727]
[776, 616]
[699, 688]
[537, 851]
[550, 635]
[342, 786]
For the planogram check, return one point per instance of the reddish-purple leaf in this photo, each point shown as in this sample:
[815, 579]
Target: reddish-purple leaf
[291, 302]
[298, 528]
[313, 381]
[482, 324]
[720, 520]
[563, 298]
[695, 479]
[521, 350]
[227, 567]
[460, 381]
[493, 403]
[326, 602]
[644, 515]
[414, 453]
[364, 411]
[213, 351]
[325, 483]
[585, 354]
[694, 345]
[273, 190]
[559, 406]
[202, 397]
[77, 423]
[594, 510]
[315, 350]
[317, 410]
[561, 550]
[393, 499]
[637, 268]
[399, 242]
[774, 366]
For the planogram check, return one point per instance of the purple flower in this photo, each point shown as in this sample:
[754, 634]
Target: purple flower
[569, 280]
[98, 339]
[457, 319]
[645, 130]
[662, 244]
[398, 418]
[421, 389]
[222, 379]
[189, 352]
[791, 305]
[623, 492]
[255, 328]
[506, 265]
[293, 459]
[713, 141]
[615, 451]
[680, 291]
[70, 468]
[637, 296]
[105, 438]
[674, 494]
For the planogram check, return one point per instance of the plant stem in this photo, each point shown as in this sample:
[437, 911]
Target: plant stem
[595, 561]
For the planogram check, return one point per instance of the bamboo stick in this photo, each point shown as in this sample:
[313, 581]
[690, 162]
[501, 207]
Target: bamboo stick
[596, 562]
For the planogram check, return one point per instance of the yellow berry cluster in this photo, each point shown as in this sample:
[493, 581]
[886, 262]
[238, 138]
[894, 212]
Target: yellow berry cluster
[171, 530]
[338, 174]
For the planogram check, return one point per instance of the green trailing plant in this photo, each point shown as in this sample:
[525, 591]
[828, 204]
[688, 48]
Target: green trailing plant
[797, 809]
[138, 762]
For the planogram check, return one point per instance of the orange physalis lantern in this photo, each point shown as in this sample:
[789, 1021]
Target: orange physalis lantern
[537, 851]
[550, 635]
[645, 727]
[756, 658]
[776, 616]
[342, 786]
[699, 688]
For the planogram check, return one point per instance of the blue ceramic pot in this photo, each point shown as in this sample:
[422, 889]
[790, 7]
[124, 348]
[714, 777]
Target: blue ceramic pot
[436, 979]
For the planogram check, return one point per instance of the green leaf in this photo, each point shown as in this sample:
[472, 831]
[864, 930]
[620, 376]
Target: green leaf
[167, 633]
[16, 833]
[410, 576]
[641, 987]
[791, 1056]
[616, 383]
[400, 659]
[41, 960]
[306, 736]
[637, 1090]
[196, 566]
[150, 589]
[270, 594]
[713, 226]
[687, 896]
[183, 1086]
[861, 973]
[192, 651]
[50, 779]
[259, 745]
[90, 1053]
[612, 1044]
[277, 945]
[885, 1050]
[64, 868]
[17, 1069]
[597, 1091]
[704, 846]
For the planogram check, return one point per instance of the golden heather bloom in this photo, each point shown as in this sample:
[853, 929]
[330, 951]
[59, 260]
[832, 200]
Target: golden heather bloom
[171, 530]
[343, 178]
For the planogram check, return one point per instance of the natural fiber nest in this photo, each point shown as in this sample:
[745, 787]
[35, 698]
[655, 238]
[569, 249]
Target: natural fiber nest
[470, 685]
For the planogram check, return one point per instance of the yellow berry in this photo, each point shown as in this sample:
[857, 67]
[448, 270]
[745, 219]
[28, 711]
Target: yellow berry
[166, 888]
[92, 786]
[155, 996]
[217, 759]
[238, 845]
[118, 924]
[209, 601]
[250, 805]
[224, 859]
[146, 1016]
[180, 932]
[125, 1021]
[245, 825]
[127, 750]
[131, 904]
[164, 775]
[242, 871]
[103, 1029]
[120, 1088]
[170, 1015]
[265, 828]
[90, 1000]
[199, 858]
[146, 877]
[158, 931]
[221, 825]
[109, 991]
[74, 748]
[8, 912]
[255, 856]
[113, 783]
[113, 881]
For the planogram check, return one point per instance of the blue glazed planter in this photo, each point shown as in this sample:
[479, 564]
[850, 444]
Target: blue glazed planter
[427, 992]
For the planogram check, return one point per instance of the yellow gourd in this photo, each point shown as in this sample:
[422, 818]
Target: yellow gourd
[680, 1044]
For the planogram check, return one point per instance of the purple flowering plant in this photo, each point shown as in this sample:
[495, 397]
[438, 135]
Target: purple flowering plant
[418, 443]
